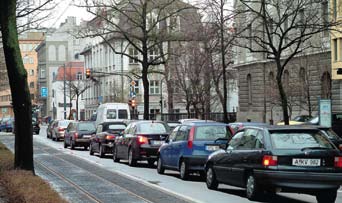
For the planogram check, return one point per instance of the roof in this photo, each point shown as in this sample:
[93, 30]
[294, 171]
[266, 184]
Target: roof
[71, 70]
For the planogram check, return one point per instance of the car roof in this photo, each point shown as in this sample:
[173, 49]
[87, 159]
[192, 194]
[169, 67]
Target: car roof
[114, 122]
[283, 127]
[204, 123]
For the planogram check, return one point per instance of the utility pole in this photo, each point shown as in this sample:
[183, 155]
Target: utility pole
[64, 92]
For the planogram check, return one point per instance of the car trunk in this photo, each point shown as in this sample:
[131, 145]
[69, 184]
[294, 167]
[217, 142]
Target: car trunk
[155, 139]
[85, 134]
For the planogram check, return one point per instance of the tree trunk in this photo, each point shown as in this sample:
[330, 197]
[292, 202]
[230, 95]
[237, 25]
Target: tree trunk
[19, 88]
[283, 96]
[146, 92]
[77, 96]
[225, 91]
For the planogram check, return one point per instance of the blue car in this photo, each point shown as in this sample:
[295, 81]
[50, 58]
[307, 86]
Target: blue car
[188, 146]
[7, 124]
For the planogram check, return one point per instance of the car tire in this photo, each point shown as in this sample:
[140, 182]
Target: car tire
[211, 180]
[131, 160]
[72, 145]
[151, 163]
[253, 190]
[101, 152]
[65, 144]
[183, 170]
[160, 167]
[115, 154]
[91, 152]
[326, 196]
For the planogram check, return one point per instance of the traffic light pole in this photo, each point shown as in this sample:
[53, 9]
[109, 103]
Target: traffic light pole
[64, 92]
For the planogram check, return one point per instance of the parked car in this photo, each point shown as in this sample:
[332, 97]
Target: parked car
[173, 124]
[78, 134]
[187, 148]
[35, 126]
[7, 124]
[331, 135]
[336, 123]
[298, 120]
[278, 158]
[49, 129]
[58, 129]
[102, 142]
[140, 141]
[239, 125]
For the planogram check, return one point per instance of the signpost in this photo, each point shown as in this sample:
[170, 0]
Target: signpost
[44, 92]
[325, 112]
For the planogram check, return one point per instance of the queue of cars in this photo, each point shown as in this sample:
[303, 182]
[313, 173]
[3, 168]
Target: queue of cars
[262, 158]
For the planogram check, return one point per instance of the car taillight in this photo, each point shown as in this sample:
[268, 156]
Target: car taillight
[191, 137]
[110, 137]
[142, 140]
[270, 160]
[75, 135]
[60, 129]
[338, 162]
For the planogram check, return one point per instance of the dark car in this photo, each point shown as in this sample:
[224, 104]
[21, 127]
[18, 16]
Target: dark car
[336, 123]
[140, 141]
[295, 159]
[49, 129]
[102, 142]
[189, 145]
[333, 137]
[35, 126]
[239, 125]
[78, 134]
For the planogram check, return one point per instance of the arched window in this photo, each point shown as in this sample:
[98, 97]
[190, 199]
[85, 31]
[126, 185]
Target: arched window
[61, 53]
[326, 86]
[249, 86]
[52, 53]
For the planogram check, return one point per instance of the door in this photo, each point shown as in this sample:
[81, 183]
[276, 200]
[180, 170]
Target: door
[95, 138]
[120, 140]
[178, 146]
[166, 149]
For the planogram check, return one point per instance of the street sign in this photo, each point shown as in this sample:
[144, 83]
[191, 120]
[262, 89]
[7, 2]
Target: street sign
[133, 83]
[132, 94]
[43, 92]
[325, 112]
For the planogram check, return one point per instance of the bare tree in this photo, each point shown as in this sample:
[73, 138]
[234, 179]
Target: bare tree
[136, 29]
[77, 88]
[283, 29]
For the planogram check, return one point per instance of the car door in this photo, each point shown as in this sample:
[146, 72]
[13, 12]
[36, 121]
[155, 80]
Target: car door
[166, 147]
[178, 145]
[95, 137]
[119, 142]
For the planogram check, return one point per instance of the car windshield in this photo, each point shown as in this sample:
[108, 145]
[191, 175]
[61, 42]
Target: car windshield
[123, 114]
[86, 127]
[299, 140]
[211, 132]
[147, 128]
[111, 114]
[116, 127]
[64, 123]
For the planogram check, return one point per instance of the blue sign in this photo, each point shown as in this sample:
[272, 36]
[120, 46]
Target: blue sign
[132, 94]
[100, 99]
[44, 92]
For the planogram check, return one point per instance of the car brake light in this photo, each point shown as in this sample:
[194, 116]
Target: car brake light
[60, 129]
[75, 135]
[270, 160]
[338, 162]
[191, 137]
[110, 137]
[142, 140]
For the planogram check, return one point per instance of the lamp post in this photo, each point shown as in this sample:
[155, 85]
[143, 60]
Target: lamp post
[64, 92]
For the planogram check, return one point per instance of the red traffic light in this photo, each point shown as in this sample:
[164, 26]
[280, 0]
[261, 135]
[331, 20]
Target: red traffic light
[134, 103]
[88, 73]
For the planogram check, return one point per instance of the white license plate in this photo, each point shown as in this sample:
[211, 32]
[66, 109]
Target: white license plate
[306, 162]
[157, 142]
[212, 147]
[86, 136]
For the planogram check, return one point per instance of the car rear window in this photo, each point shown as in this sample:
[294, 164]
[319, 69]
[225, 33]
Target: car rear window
[116, 127]
[154, 128]
[123, 114]
[64, 123]
[211, 132]
[299, 140]
[86, 127]
[111, 114]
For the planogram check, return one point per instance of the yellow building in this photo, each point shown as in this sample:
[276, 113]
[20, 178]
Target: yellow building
[336, 40]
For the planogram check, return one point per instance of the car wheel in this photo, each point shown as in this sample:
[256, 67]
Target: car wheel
[85, 147]
[131, 160]
[160, 167]
[327, 196]
[211, 180]
[252, 188]
[151, 163]
[183, 171]
[72, 145]
[102, 154]
[115, 155]
[65, 144]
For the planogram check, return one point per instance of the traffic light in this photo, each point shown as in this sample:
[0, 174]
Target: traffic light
[130, 102]
[88, 73]
[134, 103]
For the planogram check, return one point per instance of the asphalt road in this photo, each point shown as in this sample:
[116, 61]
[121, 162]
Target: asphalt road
[80, 177]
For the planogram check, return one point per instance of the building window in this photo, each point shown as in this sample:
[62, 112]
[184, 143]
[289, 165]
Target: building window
[42, 73]
[154, 87]
[31, 72]
[326, 86]
[249, 86]
[335, 49]
[134, 55]
[174, 24]
[153, 54]
[79, 76]
[31, 84]
[31, 60]
[52, 53]
[335, 9]
[136, 86]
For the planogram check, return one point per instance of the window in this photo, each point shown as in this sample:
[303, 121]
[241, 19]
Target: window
[153, 54]
[123, 114]
[42, 73]
[136, 87]
[31, 84]
[154, 87]
[31, 60]
[173, 134]
[111, 114]
[79, 76]
[248, 140]
[61, 53]
[236, 140]
[152, 22]
[134, 55]
[31, 72]
[335, 9]
[174, 24]
[155, 127]
[212, 132]
[99, 129]
[249, 86]
[335, 49]
[52, 53]
[182, 134]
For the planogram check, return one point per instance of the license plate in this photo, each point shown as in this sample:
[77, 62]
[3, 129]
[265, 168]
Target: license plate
[212, 147]
[157, 142]
[86, 136]
[306, 162]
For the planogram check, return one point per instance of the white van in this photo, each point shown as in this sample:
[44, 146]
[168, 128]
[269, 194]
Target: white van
[112, 112]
